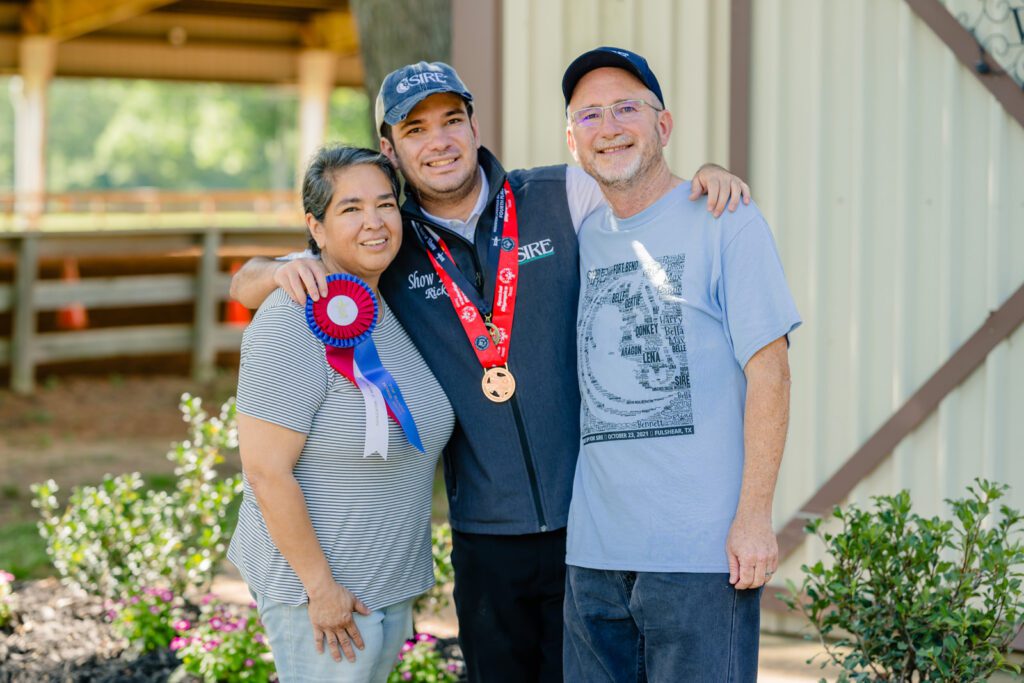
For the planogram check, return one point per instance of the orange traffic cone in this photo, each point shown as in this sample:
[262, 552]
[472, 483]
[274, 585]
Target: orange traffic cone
[235, 313]
[73, 315]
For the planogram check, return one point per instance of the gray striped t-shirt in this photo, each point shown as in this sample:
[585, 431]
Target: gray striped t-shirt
[371, 516]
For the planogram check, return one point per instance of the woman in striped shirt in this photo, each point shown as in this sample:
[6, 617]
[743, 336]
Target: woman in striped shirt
[333, 545]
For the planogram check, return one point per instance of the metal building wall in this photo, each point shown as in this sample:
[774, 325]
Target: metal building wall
[894, 183]
[686, 42]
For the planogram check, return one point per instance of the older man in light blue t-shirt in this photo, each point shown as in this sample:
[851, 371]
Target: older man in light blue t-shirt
[683, 324]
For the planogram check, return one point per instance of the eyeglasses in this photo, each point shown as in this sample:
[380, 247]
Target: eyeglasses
[625, 111]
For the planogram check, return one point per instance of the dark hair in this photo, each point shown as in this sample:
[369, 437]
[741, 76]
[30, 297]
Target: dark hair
[387, 132]
[318, 183]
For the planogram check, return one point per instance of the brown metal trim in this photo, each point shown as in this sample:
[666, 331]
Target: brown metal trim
[999, 325]
[476, 55]
[739, 88]
[498, 47]
[967, 50]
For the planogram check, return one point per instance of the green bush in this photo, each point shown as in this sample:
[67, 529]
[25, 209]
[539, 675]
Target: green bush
[146, 617]
[116, 536]
[914, 599]
[227, 643]
[435, 599]
[422, 661]
[6, 579]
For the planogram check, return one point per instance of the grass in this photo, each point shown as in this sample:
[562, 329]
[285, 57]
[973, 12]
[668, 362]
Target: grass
[24, 551]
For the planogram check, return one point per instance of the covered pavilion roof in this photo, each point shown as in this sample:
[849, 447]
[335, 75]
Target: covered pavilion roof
[240, 41]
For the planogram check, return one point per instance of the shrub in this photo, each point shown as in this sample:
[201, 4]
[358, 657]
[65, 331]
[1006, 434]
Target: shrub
[6, 579]
[920, 599]
[115, 536]
[422, 660]
[435, 599]
[146, 617]
[227, 643]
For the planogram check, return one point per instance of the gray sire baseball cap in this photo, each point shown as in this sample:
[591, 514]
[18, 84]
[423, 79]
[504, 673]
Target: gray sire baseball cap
[404, 88]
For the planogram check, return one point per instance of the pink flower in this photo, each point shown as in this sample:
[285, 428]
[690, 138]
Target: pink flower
[259, 638]
[134, 599]
[153, 609]
[178, 642]
[407, 675]
[216, 623]
[453, 667]
[5, 577]
[249, 663]
[182, 625]
[111, 614]
[422, 637]
[211, 645]
[252, 605]
[407, 646]
[208, 598]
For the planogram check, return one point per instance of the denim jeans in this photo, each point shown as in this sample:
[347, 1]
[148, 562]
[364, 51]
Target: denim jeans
[624, 626]
[295, 656]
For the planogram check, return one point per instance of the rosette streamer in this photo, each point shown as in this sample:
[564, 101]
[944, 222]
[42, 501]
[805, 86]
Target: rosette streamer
[344, 321]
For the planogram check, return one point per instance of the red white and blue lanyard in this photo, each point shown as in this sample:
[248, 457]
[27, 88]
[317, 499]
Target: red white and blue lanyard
[476, 313]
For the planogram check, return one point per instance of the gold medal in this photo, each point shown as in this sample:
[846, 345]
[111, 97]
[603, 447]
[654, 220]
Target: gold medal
[498, 384]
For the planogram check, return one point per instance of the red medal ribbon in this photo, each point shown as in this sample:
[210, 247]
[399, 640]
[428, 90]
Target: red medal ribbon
[506, 283]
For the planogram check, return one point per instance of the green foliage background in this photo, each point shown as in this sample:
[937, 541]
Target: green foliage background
[109, 134]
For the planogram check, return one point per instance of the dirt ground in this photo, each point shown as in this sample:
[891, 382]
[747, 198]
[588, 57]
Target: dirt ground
[76, 429]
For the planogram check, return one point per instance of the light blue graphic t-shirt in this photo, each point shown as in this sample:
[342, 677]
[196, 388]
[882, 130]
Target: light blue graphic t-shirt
[673, 304]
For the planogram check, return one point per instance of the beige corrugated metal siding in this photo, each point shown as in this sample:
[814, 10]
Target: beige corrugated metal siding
[686, 42]
[894, 183]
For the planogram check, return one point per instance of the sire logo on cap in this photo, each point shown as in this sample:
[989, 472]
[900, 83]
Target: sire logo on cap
[421, 79]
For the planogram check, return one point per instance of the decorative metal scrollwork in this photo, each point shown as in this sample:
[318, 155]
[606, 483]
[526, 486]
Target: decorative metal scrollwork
[998, 26]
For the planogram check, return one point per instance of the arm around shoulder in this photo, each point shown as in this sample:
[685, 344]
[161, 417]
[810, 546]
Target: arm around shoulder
[260, 276]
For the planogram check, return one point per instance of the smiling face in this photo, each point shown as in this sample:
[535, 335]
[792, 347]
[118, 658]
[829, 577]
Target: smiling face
[362, 227]
[435, 147]
[617, 154]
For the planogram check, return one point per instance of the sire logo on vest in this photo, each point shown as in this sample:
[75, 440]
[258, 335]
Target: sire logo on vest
[430, 284]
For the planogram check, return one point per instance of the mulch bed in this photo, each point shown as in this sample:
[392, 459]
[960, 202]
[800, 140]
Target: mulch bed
[60, 635]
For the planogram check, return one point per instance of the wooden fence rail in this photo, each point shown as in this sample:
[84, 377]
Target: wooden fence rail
[206, 287]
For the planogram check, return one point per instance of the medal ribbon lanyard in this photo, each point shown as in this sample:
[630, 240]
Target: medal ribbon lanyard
[486, 322]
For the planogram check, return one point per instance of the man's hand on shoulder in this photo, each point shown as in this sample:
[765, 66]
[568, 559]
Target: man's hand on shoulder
[722, 188]
[301, 275]
[259, 277]
[753, 551]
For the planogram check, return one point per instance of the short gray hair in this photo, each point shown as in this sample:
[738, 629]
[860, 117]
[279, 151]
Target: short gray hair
[318, 183]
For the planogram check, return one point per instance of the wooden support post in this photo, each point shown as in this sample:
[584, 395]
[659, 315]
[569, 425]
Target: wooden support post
[37, 57]
[204, 349]
[316, 81]
[24, 318]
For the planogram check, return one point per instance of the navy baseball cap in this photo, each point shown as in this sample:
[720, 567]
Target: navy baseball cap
[609, 56]
[404, 88]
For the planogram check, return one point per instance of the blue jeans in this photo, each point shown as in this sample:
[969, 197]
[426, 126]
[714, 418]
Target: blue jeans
[624, 626]
[295, 656]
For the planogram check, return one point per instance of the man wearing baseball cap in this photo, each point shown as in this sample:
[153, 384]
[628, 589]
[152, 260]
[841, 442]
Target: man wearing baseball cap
[483, 247]
[684, 381]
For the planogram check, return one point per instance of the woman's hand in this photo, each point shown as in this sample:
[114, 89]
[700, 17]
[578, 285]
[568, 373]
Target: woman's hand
[331, 614]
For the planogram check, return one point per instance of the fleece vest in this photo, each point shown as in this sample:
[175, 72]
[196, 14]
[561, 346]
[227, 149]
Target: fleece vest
[508, 466]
